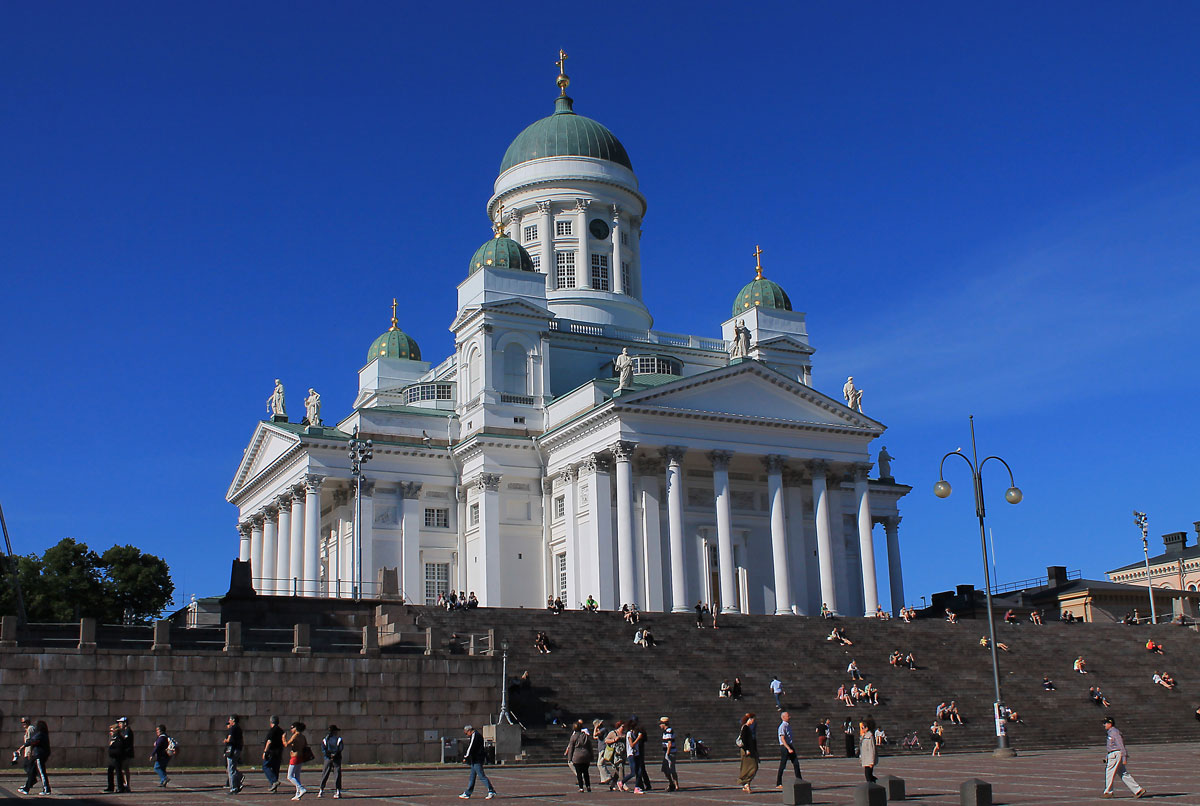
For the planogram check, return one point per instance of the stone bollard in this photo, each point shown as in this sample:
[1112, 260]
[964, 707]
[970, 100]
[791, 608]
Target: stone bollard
[868, 794]
[893, 785]
[8, 631]
[87, 635]
[162, 636]
[975, 792]
[797, 793]
[492, 642]
[431, 641]
[472, 649]
[301, 645]
[370, 644]
[233, 637]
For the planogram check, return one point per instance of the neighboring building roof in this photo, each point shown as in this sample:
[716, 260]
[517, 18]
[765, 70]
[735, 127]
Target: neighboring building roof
[565, 134]
[1165, 558]
[501, 252]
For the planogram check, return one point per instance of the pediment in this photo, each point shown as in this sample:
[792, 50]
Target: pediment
[790, 343]
[267, 447]
[517, 307]
[748, 391]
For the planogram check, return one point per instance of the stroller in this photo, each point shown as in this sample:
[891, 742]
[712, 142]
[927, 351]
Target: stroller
[699, 749]
[911, 742]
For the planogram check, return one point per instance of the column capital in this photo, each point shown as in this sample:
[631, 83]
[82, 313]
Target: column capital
[861, 470]
[774, 462]
[720, 459]
[622, 449]
[514, 215]
[673, 454]
[410, 490]
[256, 520]
[312, 482]
[244, 528]
[284, 502]
[594, 464]
[817, 467]
[298, 494]
[568, 474]
[581, 206]
[487, 482]
[544, 209]
[270, 511]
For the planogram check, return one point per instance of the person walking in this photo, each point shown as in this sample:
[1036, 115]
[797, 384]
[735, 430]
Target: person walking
[634, 740]
[777, 692]
[866, 752]
[159, 756]
[233, 754]
[937, 735]
[787, 749]
[1115, 759]
[272, 755]
[669, 752]
[474, 757]
[116, 781]
[296, 743]
[25, 753]
[747, 742]
[331, 755]
[579, 754]
[849, 733]
[36, 749]
[126, 736]
[612, 761]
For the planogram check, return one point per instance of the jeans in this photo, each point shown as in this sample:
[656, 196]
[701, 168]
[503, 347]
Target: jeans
[335, 767]
[233, 776]
[160, 767]
[477, 770]
[35, 768]
[785, 756]
[778, 704]
[270, 768]
[294, 777]
[635, 770]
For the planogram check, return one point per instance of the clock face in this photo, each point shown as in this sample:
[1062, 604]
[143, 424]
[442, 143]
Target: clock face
[599, 229]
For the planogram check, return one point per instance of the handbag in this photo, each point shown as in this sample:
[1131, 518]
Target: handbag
[307, 755]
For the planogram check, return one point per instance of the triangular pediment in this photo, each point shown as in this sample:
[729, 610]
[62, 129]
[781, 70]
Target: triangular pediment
[790, 343]
[267, 447]
[748, 391]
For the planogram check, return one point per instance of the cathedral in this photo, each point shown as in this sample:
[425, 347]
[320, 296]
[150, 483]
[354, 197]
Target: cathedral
[566, 448]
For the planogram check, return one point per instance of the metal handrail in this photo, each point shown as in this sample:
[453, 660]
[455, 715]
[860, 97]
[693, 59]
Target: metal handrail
[1032, 582]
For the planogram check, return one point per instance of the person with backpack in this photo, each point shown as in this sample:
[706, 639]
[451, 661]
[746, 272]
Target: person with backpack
[162, 752]
[747, 742]
[299, 752]
[331, 751]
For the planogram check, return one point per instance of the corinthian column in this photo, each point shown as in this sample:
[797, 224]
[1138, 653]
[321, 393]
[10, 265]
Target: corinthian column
[283, 557]
[895, 575]
[296, 566]
[256, 550]
[244, 542]
[866, 545]
[824, 534]
[720, 462]
[626, 572]
[312, 533]
[270, 549]
[674, 454]
[779, 549]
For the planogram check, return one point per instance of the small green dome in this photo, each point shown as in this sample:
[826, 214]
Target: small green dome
[565, 134]
[394, 343]
[763, 293]
[501, 252]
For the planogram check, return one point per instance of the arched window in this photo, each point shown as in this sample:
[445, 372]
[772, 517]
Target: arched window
[515, 372]
[474, 374]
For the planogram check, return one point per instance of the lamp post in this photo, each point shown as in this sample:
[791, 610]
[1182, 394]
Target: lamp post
[1013, 496]
[1139, 520]
[360, 452]
[505, 715]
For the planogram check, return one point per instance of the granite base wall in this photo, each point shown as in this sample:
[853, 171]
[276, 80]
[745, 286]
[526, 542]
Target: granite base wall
[383, 705]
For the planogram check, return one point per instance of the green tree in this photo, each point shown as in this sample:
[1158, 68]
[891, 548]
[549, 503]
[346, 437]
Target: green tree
[136, 583]
[68, 584]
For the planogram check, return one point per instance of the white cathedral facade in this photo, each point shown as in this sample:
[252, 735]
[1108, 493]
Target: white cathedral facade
[523, 467]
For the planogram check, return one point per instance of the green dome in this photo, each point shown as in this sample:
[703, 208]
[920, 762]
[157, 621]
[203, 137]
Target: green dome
[501, 252]
[763, 293]
[394, 344]
[565, 134]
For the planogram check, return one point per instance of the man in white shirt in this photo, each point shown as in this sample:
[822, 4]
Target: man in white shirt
[777, 691]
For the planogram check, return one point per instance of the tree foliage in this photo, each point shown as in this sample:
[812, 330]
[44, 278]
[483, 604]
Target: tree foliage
[70, 581]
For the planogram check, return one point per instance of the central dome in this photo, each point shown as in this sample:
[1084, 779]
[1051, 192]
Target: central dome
[565, 134]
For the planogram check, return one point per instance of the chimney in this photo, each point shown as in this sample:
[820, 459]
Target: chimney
[1175, 542]
[1056, 575]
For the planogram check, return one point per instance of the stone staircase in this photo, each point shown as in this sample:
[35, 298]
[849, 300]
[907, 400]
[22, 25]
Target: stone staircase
[596, 671]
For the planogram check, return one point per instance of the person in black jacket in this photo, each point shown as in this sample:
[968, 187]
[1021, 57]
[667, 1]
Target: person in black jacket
[38, 744]
[273, 754]
[331, 751]
[474, 757]
[116, 759]
[233, 754]
[126, 752]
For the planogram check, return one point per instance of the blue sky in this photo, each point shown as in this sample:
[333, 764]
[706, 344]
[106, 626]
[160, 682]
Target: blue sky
[984, 208]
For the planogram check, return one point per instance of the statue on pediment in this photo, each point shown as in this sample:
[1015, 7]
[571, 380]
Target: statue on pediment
[852, 394]
[312, 408]
[276, 405]
[885, 463]
[740, 346]
[624, 366]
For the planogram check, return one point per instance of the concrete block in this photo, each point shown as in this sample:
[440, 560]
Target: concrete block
[8, 631]
[893, 785]
[975, 792]
[868, 794]
[797, 793]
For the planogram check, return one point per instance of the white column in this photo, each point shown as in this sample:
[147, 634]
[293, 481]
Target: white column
[674, 457]
[866, 544]
[583, 271]
[596, 550]
[626, 573]
[618, 280]
[270, 550]
[895, 576]
[650, 475]
[256, 550]
[801, 559]
[296, 568]
[514, 219]
[312, 533]
[365, 551]
[779, 547]
[575, 589]
[546, 237]
[488, 592]
[341, 535]
[283, 556]
[244, 542]
[824, 538]
[412, 517]
[720, 462]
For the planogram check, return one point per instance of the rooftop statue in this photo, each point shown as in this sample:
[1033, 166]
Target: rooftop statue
[852, 394]
[276, 406]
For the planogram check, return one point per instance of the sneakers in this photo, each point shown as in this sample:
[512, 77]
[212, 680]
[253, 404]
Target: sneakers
[337, 794]
[1141, 793]
[1106, 794]
[23, 790]
[464, 796]
[491, 795]
[320, 793]
[275, 787]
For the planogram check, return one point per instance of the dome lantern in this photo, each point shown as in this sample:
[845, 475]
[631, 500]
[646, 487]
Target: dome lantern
[760, 292]
[394, 343]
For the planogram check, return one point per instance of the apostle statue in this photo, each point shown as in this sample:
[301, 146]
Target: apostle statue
[624, 366]
[852, 394]
[312, 408]
[740, 347]
[275, 403]
[885, 463]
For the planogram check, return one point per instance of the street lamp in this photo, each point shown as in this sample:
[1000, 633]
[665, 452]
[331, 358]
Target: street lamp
[1139, 520]
[1013, 496]
[360, 452]
[505, 715]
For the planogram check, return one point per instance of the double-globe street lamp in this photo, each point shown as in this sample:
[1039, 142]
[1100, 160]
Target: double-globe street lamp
[360, 452]
[1139, 520]
[1013, 496]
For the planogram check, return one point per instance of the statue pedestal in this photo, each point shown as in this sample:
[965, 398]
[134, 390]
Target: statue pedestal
[279, 418]
[314, 429]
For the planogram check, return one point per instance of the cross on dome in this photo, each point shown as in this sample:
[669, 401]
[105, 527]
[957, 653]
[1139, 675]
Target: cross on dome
[395, 323]
[563, 80]
[758, 262]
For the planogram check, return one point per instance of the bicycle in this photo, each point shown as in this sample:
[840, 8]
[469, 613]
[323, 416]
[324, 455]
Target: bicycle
[911, 742]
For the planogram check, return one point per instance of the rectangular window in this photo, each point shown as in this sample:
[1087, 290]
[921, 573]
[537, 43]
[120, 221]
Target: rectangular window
[474, 516]
[560, 566]
[562, 227]
[625, 277]
[437, 518]
[624, 238]
[537, 261]
[565, 269]
[600, 272]
[560, 507]
[531, 233]
[437, 580]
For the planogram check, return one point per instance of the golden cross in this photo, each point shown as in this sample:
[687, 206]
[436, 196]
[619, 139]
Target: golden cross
[498, 227]
[758, 261]
[562, 59]
[394, 323]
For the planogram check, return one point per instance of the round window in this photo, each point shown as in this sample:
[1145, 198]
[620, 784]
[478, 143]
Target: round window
[599, 229]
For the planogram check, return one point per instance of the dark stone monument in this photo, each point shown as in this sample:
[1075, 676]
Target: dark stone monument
[796, 793]
[868, 794]
[241, 583]
[893, 785]
[975, 792]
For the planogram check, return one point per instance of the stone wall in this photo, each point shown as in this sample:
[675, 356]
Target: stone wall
[384, 705]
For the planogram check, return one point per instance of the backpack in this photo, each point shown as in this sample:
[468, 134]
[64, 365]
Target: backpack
[172, 746]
